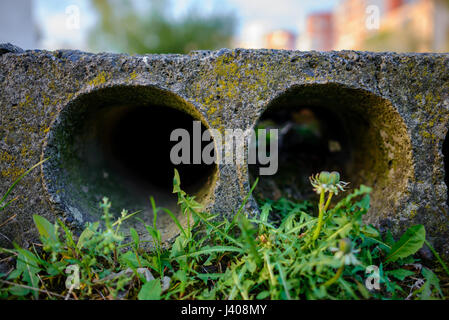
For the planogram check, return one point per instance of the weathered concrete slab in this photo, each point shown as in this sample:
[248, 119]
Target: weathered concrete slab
[394, 109]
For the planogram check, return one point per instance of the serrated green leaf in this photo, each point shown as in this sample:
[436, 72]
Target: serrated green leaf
[28, 263]
[265, 211]
[208, 276]
[56, 268]
[432, 283]
[129, 258]
[86, 235]
[45, 228]
[411, 241]
[14, 274]
[263, 295]
[18, 291]
[370, 231]
[135, 236]
[151, 290]
[365, 202]
[251, 265]
[389, 240]
[400, 274]
[26, 260]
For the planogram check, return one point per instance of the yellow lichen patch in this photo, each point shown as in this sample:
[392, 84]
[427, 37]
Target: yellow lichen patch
[13, 173]
[428, 103]
[46, 101]
[6, 157]
[24, 152]
[132, 76]
[28, 100]
[232, 80]
[424, 130]
[100, 79]
[212, 109]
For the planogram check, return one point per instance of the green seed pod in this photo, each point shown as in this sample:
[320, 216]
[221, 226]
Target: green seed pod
[334, 177]
[345, 245]
[324, 177]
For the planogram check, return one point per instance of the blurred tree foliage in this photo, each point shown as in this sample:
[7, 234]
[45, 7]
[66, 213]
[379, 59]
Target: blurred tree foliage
[125, 27]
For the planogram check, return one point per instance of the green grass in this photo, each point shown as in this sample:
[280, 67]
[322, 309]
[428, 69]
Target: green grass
[285, 253]
[3, 201]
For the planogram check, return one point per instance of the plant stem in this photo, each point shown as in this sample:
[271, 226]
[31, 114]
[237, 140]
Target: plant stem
[320, 217]
[328, 202]
[335, 277]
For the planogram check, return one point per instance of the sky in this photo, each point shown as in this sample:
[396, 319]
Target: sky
[256, 17]
[51, 19]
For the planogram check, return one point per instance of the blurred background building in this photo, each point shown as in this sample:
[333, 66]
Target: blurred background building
[319, 32]
[413, 25]
[280, 39]
[179, 26]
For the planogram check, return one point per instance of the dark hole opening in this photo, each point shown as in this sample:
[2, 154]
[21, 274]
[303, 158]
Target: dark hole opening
[115, 143]
[139, 146]
[310, 140]
[334, 128]
[125, 154]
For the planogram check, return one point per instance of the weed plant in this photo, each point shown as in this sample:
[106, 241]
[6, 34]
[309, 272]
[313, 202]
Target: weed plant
[284, 253]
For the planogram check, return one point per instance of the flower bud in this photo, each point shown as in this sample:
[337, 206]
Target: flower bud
[345, 245]
[324, 177]
[334, 177]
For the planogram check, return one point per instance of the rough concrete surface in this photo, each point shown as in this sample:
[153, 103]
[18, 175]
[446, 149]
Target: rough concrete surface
[394, 110]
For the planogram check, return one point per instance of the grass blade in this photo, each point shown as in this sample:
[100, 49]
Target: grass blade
[16, 182]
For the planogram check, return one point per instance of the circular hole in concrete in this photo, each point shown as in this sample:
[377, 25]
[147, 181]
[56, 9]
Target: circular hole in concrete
[332, 127]
[446, 164]
[115, 142]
